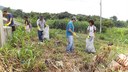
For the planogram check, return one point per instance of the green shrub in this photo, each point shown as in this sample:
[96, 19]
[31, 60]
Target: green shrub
[102, 37]
[104, 29]
[80, 26]
[33, 21]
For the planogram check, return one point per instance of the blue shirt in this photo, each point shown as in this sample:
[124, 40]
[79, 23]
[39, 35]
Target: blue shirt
[9, 16]
[69, 26]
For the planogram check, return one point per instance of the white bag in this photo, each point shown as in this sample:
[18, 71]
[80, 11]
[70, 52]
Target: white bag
[89, 45]
[46, 32]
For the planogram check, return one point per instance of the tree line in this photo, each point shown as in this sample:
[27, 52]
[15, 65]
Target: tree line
[56, 19]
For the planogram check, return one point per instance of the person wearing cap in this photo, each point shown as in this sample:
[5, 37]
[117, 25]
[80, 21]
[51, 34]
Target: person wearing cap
[69, 34]
[10, 21]
[40, 26]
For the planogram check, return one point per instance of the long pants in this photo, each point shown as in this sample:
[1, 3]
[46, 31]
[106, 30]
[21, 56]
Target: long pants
[13, 28]
[40, 35]
[70, 46]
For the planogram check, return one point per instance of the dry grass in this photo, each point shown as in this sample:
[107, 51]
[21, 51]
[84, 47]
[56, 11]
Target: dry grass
[24, 54]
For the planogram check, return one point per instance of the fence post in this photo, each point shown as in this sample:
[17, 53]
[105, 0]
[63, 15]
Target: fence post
[2, 38]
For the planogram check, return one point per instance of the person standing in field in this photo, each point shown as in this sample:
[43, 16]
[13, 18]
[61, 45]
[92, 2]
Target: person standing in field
[40, 26]
[27, 24]
[91, 35]
[10, 21]
[69, 34]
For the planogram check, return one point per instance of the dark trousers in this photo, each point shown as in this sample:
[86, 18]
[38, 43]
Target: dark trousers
[13, 28]
[40, 35]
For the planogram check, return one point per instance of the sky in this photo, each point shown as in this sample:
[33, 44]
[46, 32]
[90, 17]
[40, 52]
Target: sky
[88, 7]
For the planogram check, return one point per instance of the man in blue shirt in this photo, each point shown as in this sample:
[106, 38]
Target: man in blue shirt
[69, 34]
[10, 21]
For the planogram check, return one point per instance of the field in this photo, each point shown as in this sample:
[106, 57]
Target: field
[22, 53]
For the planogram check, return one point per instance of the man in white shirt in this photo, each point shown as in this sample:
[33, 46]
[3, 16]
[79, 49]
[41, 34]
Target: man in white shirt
[40, 25]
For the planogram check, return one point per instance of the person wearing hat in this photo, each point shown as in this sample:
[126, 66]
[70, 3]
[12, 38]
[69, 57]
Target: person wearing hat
[40, 26]
[69, 34]
[10, 21]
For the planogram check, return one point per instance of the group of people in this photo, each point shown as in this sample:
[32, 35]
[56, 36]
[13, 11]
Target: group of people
[27, 24]
[89, 41]
[41, 24]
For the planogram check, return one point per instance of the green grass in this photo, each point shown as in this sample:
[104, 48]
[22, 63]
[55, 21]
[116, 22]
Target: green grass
[118, 36]
[23, 52]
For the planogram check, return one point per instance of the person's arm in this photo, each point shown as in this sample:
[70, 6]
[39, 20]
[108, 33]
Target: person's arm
[25, 22]
[88, 36]
[94, 30]
[73, 33]
[87, 30]
[70, 30]
[38, 27]
[45, 25]
[9, 22]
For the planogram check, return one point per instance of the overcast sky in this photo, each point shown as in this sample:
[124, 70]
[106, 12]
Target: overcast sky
[87, 7]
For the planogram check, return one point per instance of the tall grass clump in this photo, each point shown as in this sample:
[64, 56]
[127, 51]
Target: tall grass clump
[80, 26]
[20, 52]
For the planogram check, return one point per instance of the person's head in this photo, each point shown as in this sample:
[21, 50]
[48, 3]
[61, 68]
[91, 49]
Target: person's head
[5, 12]
[74, 19]
[91, 22]
[25, 17]
[41, 17]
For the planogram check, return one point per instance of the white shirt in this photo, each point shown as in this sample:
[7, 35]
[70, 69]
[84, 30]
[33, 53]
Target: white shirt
[91, 30]
[41, 24]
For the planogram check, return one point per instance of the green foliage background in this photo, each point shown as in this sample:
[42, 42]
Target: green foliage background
[60, 20]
